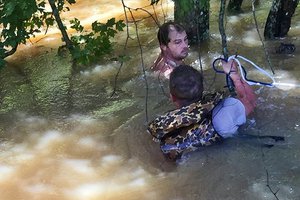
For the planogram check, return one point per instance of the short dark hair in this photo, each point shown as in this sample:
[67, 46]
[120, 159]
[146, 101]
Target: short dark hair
[163, 32]
[186, 84]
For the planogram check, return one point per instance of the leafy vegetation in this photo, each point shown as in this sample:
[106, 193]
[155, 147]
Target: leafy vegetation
[23, 19]
[88, 47]
[20, 20]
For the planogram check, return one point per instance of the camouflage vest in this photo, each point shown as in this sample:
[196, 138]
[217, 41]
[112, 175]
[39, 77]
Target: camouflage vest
[187, 128]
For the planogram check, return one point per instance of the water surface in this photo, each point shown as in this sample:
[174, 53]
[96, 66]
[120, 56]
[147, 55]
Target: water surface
[100, 148]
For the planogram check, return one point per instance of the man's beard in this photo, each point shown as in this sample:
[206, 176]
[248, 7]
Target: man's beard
[184, 53]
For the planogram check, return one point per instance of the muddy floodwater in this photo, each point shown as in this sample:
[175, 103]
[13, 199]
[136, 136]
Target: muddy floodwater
[98, 148]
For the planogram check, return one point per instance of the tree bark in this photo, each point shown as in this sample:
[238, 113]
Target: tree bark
[279, 19]
[60, 25]
[194, 15]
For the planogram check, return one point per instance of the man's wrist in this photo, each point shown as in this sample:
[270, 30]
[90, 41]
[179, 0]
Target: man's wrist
[234, 75]
[236, 79]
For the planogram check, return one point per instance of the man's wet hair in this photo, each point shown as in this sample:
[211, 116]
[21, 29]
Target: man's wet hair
[163, 32]
[186, 84]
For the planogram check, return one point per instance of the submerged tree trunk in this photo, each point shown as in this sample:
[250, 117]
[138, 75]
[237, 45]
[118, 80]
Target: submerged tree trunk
[194, 15]
[234, 5]
[279, 19]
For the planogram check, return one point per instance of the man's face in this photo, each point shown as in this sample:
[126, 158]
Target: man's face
[177, 49]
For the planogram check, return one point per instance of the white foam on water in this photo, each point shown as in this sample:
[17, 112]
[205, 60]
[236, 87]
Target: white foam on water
[251, 38]
[24, 157]
[33, 119]
[105, 188]
[17, 148]
[138, 172]
[100, 70]
[19, 153]
[88, 142]
[285, 80]
[87, 191]
[261, 191]
[6, 171]
[139, 182]
[83, 119]
[110, 159]
[82, 166]
[111, 181]
[48, 138]
[38, 188]
[233, 19]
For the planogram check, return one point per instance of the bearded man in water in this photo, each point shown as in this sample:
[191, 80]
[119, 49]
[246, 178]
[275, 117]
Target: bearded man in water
[174, 47]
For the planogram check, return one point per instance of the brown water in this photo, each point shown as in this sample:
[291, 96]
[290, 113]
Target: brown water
[102, 151]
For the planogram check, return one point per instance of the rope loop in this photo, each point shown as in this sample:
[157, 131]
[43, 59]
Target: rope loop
[244, 73]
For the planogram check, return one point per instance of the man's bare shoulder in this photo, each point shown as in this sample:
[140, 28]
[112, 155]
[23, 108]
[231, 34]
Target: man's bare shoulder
[158, 63]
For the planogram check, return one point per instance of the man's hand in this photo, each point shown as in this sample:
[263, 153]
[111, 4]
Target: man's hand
[230, 66]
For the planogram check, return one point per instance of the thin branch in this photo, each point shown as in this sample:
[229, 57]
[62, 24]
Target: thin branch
[162, 9]
[138, 20]
[128, 36]
[156, 21]
[124, 50]
[268, 185]
[266, 169]
[222, 30]
[160, 82]
[198, 36]
[262, 42]
[141, 54]
[143, 68]
[154, 17]
[154, 11]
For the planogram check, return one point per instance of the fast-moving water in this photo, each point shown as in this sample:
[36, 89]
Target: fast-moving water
[100, 149]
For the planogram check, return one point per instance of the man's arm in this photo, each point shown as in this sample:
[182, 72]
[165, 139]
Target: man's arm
[244, 92]
[157, 65]
[162, 67]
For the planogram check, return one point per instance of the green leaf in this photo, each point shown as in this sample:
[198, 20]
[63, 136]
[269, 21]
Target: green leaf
[71, 1]
[76, 25]
[9, 8]
[111, 22]
[120, 25]
[49, 21]
[42, 4]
